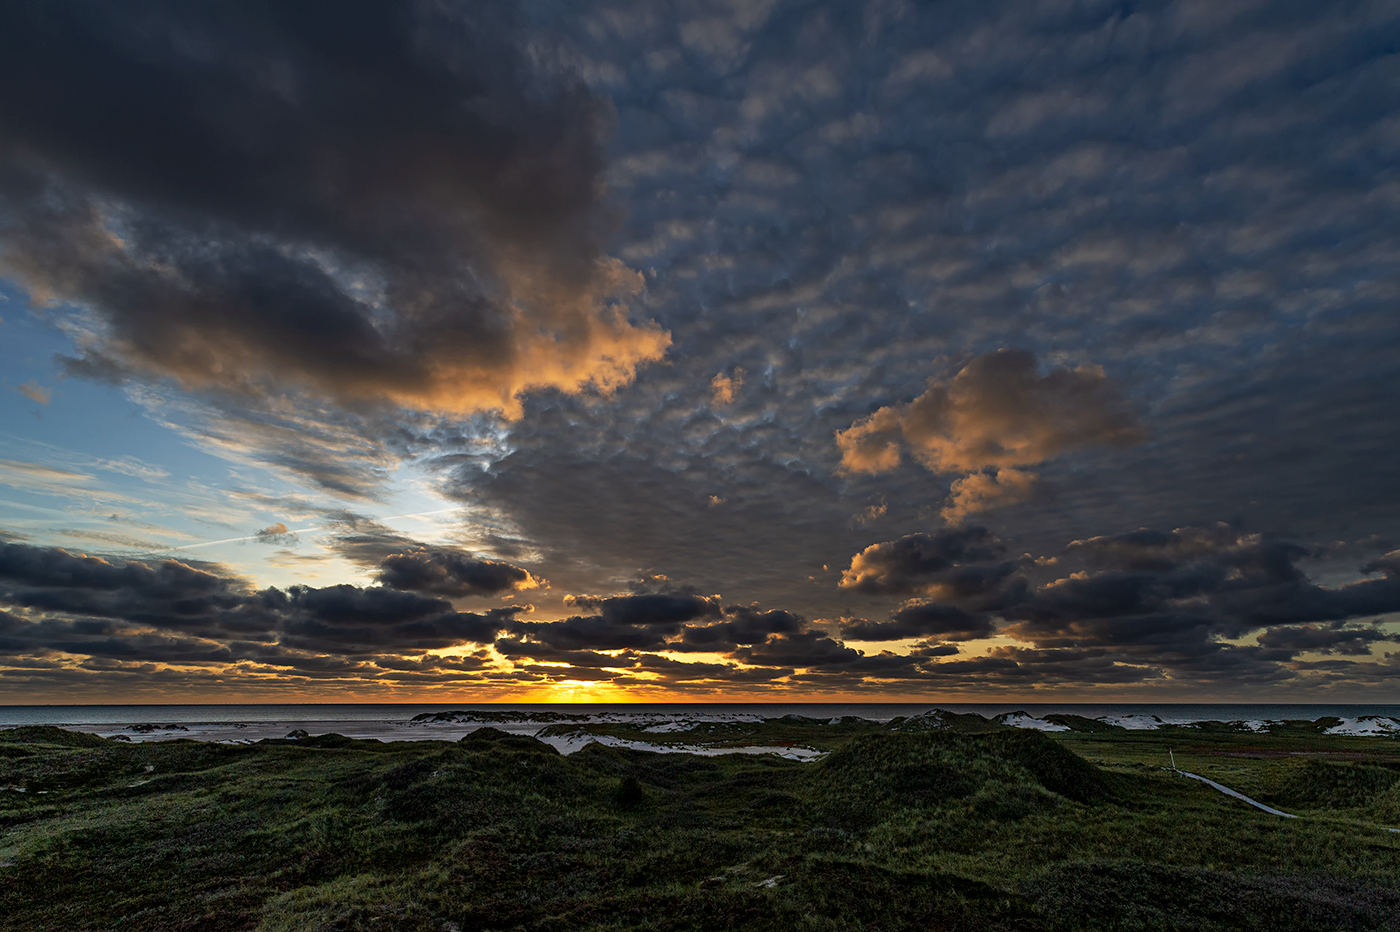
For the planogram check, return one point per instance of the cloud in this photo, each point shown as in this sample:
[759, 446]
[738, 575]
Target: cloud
[348, 454]
[649, 608]
[645, 621]
[723, 387]
[679, 672]
[922, 619]
[452, 573]
[1326, 639]
[951, 563]
[656, 621]
[1176, 598]
[1152, 550]
[1388, 564]
[870, 514]
[98, 606]
[592, 632]
[741, 627]
[982, 491]
[996, 412]
[35, 392]
[640, 626]
[276, 534]
[405, 209]
[994, 416]
[412, 565]
[815, 652]
[50, 480]
[364, 541]
[353, 620]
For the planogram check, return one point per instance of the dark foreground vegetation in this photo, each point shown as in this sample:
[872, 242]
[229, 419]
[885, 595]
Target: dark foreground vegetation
[954, 828]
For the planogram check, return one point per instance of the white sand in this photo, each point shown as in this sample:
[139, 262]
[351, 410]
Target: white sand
[1023, 720]
[577, 741]
[1135, 722]
[1368, 726]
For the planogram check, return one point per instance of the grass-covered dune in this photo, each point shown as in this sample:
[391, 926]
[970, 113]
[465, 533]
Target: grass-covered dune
[928, 830]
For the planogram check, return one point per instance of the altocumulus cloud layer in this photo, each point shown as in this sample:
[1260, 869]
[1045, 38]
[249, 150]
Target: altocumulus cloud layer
[880, 326]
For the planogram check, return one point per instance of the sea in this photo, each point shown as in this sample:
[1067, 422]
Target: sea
[402, 722]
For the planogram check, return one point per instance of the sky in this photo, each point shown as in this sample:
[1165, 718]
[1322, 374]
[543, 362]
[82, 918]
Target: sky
[768, 350]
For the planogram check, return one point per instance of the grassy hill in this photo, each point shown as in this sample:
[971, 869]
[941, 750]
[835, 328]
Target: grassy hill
[916, 828]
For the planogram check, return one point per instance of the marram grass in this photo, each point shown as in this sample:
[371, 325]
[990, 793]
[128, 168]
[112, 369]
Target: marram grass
[954, 829]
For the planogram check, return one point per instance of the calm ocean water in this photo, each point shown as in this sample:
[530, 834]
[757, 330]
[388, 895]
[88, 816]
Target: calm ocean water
[97, 715]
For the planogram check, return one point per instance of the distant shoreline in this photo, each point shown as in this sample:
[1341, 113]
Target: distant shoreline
[242, 724]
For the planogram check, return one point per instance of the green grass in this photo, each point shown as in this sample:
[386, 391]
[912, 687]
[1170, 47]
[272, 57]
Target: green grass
[958, 827]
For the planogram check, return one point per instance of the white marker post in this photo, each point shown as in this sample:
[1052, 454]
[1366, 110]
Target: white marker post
[1173, 757]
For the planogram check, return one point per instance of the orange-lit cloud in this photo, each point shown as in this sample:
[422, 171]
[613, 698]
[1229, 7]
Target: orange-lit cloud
[35, 392]
[723, 387]
[277, 533]
[980, 491]
[993, 418]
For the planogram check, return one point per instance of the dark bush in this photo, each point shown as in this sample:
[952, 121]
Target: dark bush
[630, 794]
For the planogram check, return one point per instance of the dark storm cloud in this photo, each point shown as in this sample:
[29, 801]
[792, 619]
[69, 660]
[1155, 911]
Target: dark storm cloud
[644, 621]
[168, 594]
[1184, 210]
[1175, 598]
[347, 619]
[1326, 639]
[813, 650]
[373, 203]
[104, 639]
[920, 619]
[661, 622]
[592, 632]
[451, 573]
[173, 612]
[411, 565]
[680, 672]
[1155, 551]
[652, 609]
[515, 649]
[1009, 666]
[943, 561]
[350, 605]
[55, 567]
[741, 627]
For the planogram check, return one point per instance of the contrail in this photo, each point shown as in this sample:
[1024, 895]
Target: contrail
[233, 540]
[300, 530]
